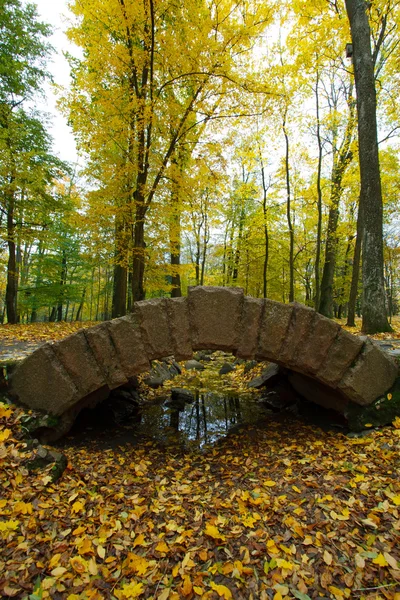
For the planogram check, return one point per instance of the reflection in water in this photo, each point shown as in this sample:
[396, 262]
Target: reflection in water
[203, 421]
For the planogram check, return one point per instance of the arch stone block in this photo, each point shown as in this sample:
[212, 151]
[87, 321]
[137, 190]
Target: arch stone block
[41, 382]
[75, 355]
[300, 325]
[127, 340]
[250, 327]
[178, 314]
[372, 375]
[215, 315]
[275, 321]
[103, 349]
[313, 350]
[154, 327]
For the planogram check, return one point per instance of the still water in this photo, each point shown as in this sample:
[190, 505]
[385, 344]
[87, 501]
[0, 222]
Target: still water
[209, 417]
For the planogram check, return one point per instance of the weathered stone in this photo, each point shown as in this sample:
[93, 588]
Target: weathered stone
[318, 393]
[215, 315]
[128, 343]
[226, 368]
[154, 326]
[41, 382]
[300, 325]
[270, 376]
[311, 354]
[250, 327]
[103, 349]
[381, 412]
[78, 360]
[341, 355]
[372, 375]
[194, 365]
[274, 325]
[178, 313]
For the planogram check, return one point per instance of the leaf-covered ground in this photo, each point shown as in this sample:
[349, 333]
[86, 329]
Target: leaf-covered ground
[284, 512]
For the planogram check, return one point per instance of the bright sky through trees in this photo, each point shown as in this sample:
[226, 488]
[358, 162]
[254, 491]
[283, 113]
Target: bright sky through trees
[54, 13]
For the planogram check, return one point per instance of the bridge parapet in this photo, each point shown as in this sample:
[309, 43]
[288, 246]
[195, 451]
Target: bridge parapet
[59, 378]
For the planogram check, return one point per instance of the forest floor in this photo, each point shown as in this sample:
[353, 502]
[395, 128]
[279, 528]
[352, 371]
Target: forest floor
[276, 511]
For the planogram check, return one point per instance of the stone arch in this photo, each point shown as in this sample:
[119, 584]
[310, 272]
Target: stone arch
[61, 378]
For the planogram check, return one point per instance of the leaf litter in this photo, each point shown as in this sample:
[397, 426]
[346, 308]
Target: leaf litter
[287, 512]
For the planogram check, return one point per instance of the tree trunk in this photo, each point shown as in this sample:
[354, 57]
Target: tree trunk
[289, 213]
[120, 270]
[80, 308]
[374, 317]
[139, 250]
[355, 275]
[319, 201]
[63, 281]
[12, 274]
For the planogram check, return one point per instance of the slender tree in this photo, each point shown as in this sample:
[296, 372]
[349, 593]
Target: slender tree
[374, 317]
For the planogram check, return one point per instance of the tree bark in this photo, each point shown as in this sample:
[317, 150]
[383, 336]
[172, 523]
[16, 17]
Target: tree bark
[289, 212]
[374, 317]
[319, 201]
[355, 275]
[120, 271]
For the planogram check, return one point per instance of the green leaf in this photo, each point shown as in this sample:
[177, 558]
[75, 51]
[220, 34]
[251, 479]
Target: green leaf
[300, 595]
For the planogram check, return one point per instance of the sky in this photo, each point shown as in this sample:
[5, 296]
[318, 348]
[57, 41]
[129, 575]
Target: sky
[53, 12]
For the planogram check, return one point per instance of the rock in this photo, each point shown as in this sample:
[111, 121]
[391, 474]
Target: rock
[203, 355]
[318, 393]
[381, 412]
[250, 364]
[281, 397]
[162, 371]
[194, 365]
[182, 394]
[271, 375]
[43, 457]
[226, 368]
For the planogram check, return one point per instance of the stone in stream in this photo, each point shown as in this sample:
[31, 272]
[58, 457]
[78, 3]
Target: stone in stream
[194, 365]
[226, 368]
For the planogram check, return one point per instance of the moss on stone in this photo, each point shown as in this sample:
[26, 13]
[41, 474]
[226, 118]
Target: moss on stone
[381, 412]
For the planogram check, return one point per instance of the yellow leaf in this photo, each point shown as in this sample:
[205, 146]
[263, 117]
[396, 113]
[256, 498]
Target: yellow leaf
[175, 570]
[360, 561]
[221, 590]
[269, 483]
[93, 570]
[389, 396]
[162, 547]
[4, 435]
[164, 594]
[396, 500]
[79, 530]
[129, 590]
[101, 551]
[338, 594]
[187, 586]
[138, 541]
[296, 489]
[396, 423]
[54, 561]
[327, 558]
[77, 507]
[380, 560]
[284, 564]
[79, 564]
[7, 526]
[198, 590]
[4, 412]
[135, 564]
[278, 596]
[58, 571]
[368, 425]
[213, 532]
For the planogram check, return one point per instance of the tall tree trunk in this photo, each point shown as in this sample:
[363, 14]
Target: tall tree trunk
[289, 212]
[374, 317]
[12, 273]
[175, 240]
[120, 270]
[319, 200]
[355, 275]
[341, 162]
[139, 255]
[63, 281]
[81, 304]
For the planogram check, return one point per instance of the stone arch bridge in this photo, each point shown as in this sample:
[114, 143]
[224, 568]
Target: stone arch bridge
[63, 377]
